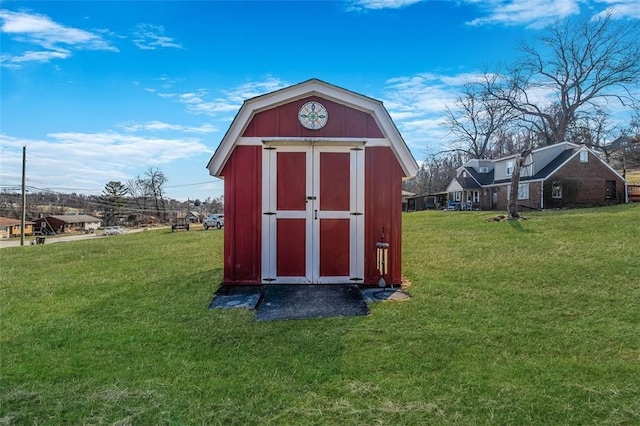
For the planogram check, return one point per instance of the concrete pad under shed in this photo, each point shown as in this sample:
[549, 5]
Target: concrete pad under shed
[373, 294]
[310, 301]
[227, 297]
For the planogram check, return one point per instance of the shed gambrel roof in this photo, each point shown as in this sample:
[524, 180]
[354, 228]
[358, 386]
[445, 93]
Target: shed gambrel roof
[312, 87]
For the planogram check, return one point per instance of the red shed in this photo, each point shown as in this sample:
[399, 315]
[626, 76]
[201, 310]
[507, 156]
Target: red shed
[312, 174]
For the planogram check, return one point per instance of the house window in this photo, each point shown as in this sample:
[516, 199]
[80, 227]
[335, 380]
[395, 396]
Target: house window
[509, 167]
[476, 196]
[523, 191]
[556, 190]
[483, 170]
[458, 195]
[464, 173]
[584, 157]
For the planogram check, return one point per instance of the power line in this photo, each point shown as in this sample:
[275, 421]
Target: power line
[189, 184]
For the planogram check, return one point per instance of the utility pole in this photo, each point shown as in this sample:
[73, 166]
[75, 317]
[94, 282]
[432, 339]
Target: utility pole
[24, 194]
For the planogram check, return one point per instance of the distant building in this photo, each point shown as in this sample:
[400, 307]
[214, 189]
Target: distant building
[60, 224]
[11, 227]
[560, 175]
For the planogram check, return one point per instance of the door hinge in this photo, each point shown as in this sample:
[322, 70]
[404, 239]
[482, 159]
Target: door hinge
[357, 148]
[269, 279]
[269, 213]
[311, 197]
[355, 279]
[270, 148]
[356, 214]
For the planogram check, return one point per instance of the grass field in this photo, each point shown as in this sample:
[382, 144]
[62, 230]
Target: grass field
[530, 322]
[633, 177]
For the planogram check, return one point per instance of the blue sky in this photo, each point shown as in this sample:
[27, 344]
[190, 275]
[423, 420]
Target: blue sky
[101, 91]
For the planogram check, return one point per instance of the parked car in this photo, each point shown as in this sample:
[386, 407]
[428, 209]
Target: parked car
[214, 220]
[112, 230]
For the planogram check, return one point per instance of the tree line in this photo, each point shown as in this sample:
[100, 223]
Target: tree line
[562, 87]
[143, 200]
[137, 201]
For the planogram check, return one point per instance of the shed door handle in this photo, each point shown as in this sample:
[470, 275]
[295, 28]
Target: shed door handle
[316, 214]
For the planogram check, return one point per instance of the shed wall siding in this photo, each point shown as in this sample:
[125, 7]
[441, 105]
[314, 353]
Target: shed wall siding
[282, 121]
[243, 222]
[383, 208]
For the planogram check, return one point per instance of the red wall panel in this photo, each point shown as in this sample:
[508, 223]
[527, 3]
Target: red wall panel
[383, 208]
[243, 222]
[282, 121]
[291, 247]
[335, 181]
[291, 191]
[334, 247]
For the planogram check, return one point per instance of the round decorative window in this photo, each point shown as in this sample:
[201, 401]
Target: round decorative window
[313, 115]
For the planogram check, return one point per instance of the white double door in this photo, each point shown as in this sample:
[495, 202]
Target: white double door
[313, 214]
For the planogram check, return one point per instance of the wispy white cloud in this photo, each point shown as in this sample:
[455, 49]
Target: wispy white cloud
[200, 102]
[621, 8]
[379, 4]
[418, 103]
[159, 126]
[92, 159]
[35, 56]
[530, 13]
[59, 41]
[151, 37]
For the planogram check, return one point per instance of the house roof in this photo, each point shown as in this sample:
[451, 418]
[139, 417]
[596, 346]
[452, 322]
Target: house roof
[481, 178]
[622, 142]
[78, 218]
[305, 89]
[547, 170]
[468, 182]
[487, 179]
[7, 221]
[554, 164]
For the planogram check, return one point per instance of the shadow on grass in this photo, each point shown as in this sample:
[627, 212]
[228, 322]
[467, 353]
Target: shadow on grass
[517, 226]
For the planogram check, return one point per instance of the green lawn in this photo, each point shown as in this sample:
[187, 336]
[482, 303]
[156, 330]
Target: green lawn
[530, 322]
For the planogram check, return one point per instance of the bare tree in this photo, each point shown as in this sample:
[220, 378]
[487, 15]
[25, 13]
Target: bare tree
[592, 130]
[584, 65]
[137, 189]
[148, 193]
[435, 173]
[512, 203]
[155, 183]
[476, 120]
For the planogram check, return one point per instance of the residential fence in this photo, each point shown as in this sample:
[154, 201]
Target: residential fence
[633, 192]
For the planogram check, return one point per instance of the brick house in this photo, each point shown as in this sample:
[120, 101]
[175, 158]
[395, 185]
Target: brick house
[555, 176]
[61, 224]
